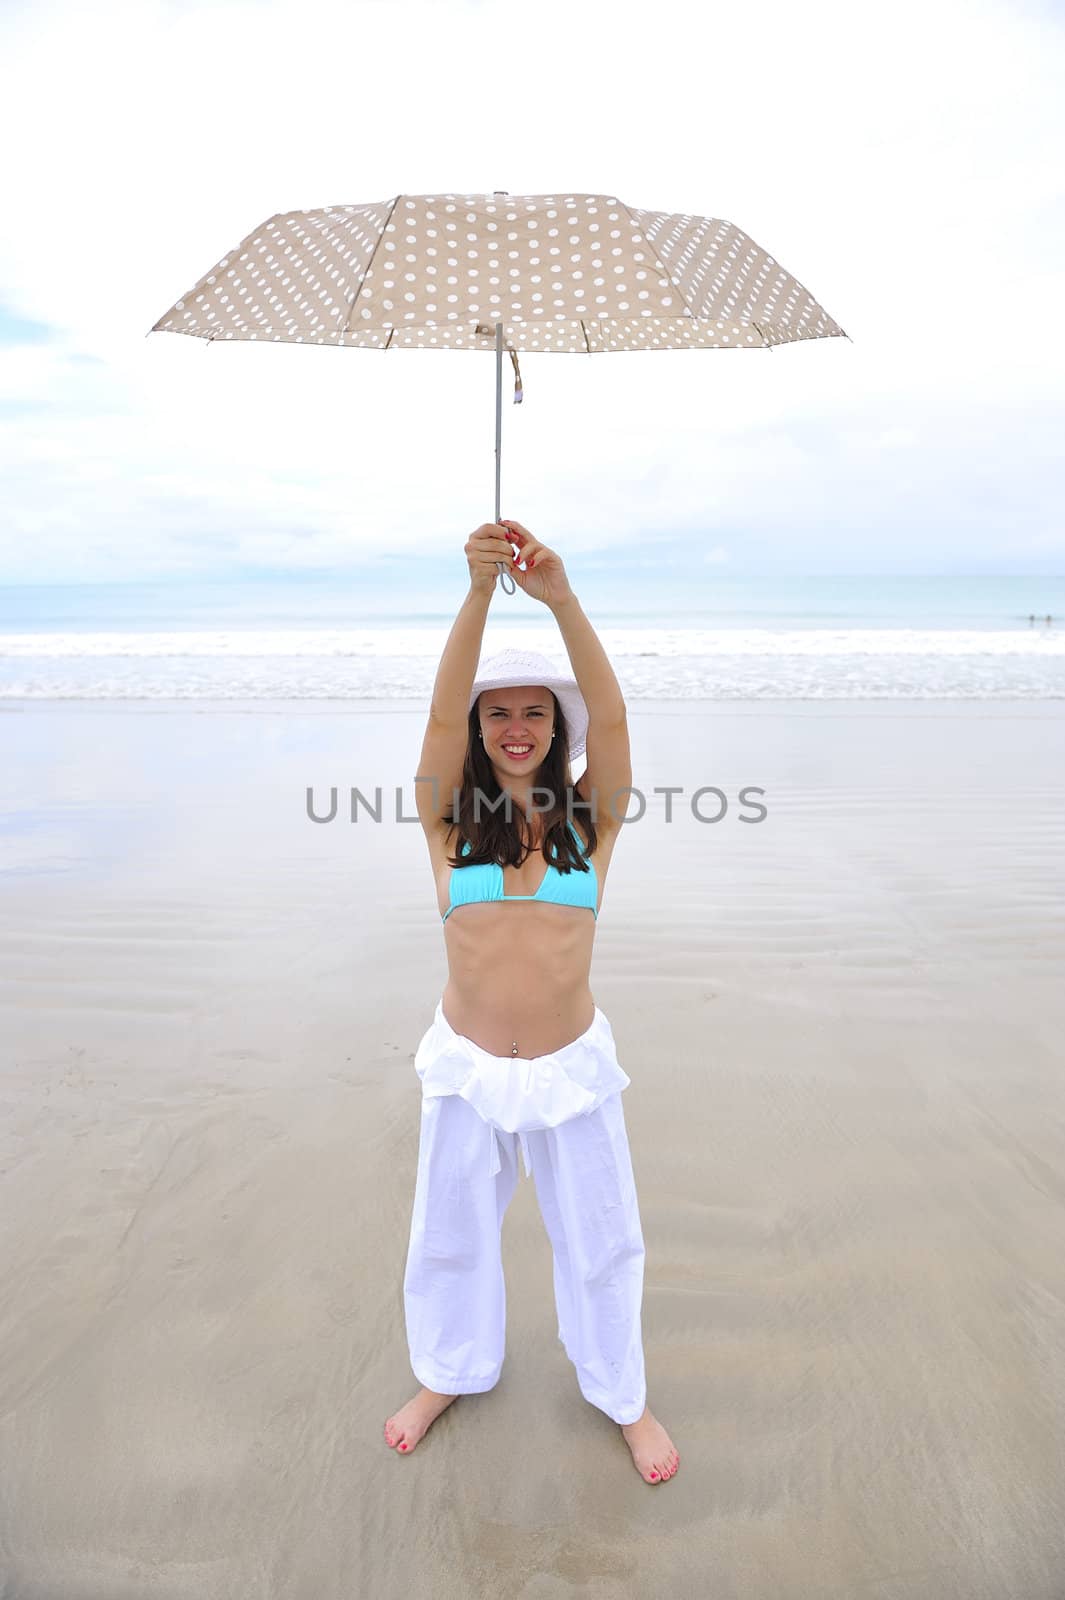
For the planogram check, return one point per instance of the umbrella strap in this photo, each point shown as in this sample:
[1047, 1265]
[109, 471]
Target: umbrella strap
[486, 328]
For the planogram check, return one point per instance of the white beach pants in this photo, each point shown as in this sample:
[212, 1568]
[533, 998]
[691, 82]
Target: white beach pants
[564, 1111]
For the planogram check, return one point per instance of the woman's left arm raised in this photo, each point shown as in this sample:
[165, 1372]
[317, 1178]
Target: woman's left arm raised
[609, 769]
[545, 579]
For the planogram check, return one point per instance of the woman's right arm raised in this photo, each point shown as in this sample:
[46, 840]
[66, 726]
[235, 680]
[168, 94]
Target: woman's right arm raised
[447, 731]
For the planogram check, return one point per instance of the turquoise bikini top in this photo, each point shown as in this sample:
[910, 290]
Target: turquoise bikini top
[468, 885]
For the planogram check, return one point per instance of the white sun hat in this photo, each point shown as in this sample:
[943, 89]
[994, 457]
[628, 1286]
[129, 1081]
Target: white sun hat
[510, 669]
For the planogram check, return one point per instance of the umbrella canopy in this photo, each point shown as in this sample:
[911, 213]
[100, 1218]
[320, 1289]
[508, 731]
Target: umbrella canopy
[577, 274]
[572, 273]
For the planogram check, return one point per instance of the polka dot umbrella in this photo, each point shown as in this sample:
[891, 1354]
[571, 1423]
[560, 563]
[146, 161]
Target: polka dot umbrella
[573, 273]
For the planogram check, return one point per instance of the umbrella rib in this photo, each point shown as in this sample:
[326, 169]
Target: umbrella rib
[373, 255]
[661, 264]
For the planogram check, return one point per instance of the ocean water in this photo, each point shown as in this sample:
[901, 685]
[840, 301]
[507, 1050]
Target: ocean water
[817, 638]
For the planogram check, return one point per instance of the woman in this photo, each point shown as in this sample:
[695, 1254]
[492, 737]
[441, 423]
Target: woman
[518, 1052]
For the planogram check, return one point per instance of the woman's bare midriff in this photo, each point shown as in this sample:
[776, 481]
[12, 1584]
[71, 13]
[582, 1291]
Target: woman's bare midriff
[518, 970]
[518, 973]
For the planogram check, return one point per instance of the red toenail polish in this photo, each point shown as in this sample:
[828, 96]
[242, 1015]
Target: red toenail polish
[654, 1475]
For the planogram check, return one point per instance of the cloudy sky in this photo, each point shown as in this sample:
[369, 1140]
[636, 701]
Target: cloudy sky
[906, 164]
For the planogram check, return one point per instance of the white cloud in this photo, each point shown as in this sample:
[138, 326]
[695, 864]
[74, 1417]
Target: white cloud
[906, 170]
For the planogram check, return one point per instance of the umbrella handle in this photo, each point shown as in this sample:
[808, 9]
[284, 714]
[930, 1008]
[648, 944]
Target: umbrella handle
[504, 575]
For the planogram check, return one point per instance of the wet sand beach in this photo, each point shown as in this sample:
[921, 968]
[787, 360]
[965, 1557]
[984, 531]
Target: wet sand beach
[844, 1027]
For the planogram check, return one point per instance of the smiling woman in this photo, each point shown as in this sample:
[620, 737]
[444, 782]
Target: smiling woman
[511, 726]
[518, 1054]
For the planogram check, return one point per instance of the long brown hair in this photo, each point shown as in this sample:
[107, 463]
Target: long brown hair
[494, 839]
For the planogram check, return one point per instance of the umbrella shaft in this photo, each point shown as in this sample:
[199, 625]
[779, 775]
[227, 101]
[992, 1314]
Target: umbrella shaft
[499, 408]
[504, 575]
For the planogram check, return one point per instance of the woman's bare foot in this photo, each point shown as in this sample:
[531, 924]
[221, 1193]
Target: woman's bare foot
[652, 1448]
[403, 1431]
